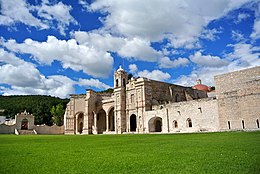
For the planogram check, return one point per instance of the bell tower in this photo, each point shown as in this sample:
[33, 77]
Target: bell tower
[120, 81]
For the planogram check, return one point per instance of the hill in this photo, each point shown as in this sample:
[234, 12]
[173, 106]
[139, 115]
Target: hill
[39, 106]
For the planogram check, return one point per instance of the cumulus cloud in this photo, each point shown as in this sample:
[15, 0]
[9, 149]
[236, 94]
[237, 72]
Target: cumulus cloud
[25, 79]
[93, 83]
[48, 15]
[154, 75]
[133, 68]
[69, 53]
[207, 60]
[242, 56]
[180, 21]
[165, 62]
[134, 48]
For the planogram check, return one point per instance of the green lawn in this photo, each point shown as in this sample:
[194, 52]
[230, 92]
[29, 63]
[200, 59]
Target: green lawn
[228, 152]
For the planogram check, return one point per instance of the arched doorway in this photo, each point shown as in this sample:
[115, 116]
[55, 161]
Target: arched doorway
[155, 124]
[175, 124]
[189, 122]
[133, 123]
[80, 122]
[111, 119]
[24, 124]
[101, 121]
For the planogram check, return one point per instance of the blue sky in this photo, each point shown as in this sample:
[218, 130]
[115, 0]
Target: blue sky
[59, 48]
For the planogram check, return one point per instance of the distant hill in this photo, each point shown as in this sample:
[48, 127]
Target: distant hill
[37, 105]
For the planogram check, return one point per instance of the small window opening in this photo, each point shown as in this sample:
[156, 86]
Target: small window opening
[257, 123]
[116, 82]
[243, 124]
[175, 124]
[229, 127]
[189, 122]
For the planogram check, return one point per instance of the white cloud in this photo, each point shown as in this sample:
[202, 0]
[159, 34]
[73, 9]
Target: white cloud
[154, 75]
[210, 34]
[237, 36]
[93, 83]
[69, 53]
[243, 56]
[256, 30]
[133, 68]
[165, 62]
[134, 48]
[56, 12]
[241, 17]
[207, 60]
[181, 21]
[18, 11]
[24, 78]
[47, 14]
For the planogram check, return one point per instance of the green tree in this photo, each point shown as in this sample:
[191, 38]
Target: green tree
[57, 114]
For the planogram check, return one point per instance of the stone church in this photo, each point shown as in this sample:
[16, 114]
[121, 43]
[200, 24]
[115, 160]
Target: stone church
[141, 105]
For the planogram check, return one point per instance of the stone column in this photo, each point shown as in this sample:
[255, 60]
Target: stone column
[95, 124]
[85, 125]
[107, 121]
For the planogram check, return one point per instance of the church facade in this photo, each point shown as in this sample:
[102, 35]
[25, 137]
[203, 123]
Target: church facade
[141, 105]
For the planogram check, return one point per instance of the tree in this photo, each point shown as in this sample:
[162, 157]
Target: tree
[57, 113]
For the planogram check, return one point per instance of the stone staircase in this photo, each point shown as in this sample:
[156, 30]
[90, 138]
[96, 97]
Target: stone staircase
[27, 132]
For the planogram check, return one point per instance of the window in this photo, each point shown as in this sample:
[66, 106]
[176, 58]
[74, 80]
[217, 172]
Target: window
[116, 83]
[132, 98]
[124, 82]
[243, 124]
[175, 124]
[229, 127]
[189, 122]
[257, 123]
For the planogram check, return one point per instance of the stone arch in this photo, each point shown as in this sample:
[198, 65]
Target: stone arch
[79, 122]
[101, 121]
[189, 122]
[111, 119]
[133, 124]
[24, 124]
[155, 124]
[175, 124]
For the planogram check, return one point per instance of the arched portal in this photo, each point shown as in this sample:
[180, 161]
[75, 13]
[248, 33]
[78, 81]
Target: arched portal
[155, 124]
[111, 119]
[80, 122]
[189, 122]
[101, 121]
[24, 124]
[133, 123]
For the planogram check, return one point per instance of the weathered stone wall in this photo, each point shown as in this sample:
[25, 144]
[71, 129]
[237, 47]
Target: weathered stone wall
[7, 129]
[238, 95]
[44, 129]
[203, 114]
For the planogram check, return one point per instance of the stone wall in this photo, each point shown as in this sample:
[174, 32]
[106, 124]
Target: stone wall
[7, 129]
[44, 129]
[203, 114]
[238, 95]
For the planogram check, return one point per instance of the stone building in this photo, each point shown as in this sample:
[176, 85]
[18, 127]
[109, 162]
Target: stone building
[141, 105]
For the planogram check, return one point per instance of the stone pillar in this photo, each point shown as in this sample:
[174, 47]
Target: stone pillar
[85, 124]
[107, 121]
[95, 124]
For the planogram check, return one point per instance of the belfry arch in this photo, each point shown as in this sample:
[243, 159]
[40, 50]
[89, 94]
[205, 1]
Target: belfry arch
[155, 124]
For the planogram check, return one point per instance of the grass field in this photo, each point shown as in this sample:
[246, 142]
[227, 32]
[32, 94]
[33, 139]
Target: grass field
[228, 152]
